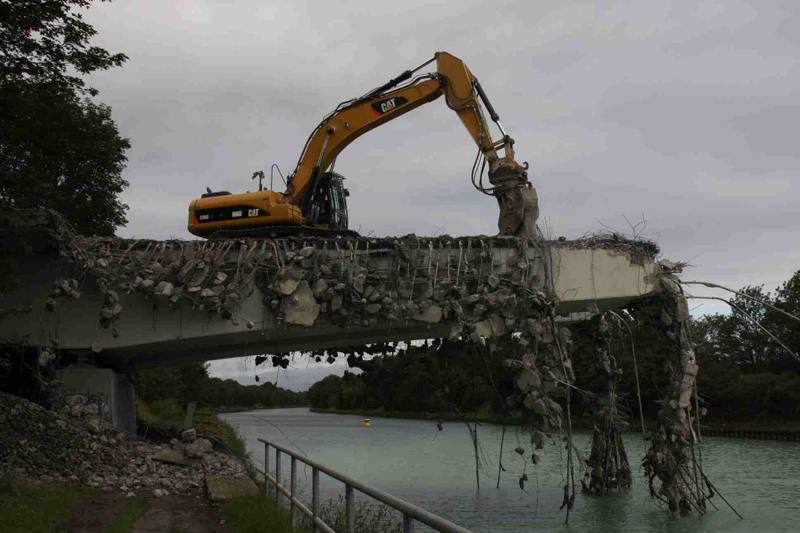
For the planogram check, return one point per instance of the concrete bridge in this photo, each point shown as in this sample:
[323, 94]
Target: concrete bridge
[278, 306]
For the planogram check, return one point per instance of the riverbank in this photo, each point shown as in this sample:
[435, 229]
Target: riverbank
[71, 470]
[770, 429]
[240, 409]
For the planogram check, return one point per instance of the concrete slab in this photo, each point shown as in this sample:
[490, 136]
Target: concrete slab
[150, 332]
[175, 457]
[223, 488]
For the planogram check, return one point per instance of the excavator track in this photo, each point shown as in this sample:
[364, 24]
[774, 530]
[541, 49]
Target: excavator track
[273, 232]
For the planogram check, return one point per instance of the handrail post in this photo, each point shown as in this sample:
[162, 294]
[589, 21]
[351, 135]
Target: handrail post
[292, 491]
[408, 523]
[349, 498]
[314, 499]
[277, 476]
[266, 469]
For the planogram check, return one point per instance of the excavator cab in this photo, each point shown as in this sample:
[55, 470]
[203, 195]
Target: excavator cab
[328, 205]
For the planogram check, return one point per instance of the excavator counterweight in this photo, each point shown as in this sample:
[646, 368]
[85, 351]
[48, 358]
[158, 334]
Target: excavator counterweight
[315, 198]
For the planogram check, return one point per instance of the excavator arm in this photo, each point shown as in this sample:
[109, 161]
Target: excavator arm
[516, 197]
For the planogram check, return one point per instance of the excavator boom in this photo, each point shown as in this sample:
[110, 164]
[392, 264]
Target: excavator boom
[313, 193]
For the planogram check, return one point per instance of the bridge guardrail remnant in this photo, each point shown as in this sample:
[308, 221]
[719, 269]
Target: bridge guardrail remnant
[410, 512]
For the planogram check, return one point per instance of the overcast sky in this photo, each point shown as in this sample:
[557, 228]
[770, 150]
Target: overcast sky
[684, 113]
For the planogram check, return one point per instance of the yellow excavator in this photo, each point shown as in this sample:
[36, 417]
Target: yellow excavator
[314, 202]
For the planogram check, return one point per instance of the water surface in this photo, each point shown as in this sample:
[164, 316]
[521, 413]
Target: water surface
[435, 470]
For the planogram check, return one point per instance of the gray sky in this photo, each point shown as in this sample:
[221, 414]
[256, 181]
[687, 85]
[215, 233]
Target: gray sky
[685, 113]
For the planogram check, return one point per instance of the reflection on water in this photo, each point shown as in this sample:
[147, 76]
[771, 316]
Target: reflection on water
[436, 470]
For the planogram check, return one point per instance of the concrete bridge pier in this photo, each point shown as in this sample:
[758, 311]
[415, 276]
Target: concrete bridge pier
[115, 390]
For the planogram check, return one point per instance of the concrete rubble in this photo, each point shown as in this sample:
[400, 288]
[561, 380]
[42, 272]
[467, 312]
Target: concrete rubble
[607, 467]
[671, 463]
[46, 447]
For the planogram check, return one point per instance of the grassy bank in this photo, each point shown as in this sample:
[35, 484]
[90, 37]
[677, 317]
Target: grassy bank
[165, 419]
[244, 515]
[30, 509]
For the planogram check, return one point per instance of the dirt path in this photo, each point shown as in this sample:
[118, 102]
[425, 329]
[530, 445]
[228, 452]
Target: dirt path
[189, 513]
[95, 513]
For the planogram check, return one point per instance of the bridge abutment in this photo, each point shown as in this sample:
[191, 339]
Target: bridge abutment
[114, 388]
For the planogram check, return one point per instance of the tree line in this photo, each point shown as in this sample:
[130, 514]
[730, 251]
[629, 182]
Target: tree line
[744, 373]
[191, 382]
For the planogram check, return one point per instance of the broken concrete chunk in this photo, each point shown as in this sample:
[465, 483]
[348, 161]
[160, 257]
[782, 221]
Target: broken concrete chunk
[687, 384]
[164, 289]
[666, 264]
[530, 399]
[300, 307]
[320, 287]
[482, 329]
[189, 436]
[198, 448]
[288, 280]
[671, 286]
[431, 315]
[358, 283]
[528, 380]
[175, 457]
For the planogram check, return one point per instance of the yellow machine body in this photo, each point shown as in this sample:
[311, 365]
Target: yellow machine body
[241, 211]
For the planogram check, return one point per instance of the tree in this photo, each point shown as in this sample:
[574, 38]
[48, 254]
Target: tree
[57, 151]
[787, 298]
[737, 337]
[42, 40]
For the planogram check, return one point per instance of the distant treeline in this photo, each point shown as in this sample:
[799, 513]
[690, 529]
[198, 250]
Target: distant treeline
[191, 383]
[744, 374]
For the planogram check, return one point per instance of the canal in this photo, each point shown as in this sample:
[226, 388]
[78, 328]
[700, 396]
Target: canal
[435, 470]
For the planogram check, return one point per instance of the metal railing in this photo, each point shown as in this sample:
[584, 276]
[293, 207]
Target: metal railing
[410, 512]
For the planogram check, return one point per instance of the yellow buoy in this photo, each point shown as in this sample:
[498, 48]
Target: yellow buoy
[366, 422]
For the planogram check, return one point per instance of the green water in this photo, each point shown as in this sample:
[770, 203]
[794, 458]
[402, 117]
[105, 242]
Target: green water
[436, 471]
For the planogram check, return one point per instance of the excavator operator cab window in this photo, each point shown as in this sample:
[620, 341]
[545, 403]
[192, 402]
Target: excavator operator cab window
[337, 203]
[330, 203]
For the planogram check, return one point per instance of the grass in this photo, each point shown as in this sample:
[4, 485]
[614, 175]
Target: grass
[256, 513]
[161, 413]
[226, 435]
[132, 510]
[38, 509]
